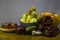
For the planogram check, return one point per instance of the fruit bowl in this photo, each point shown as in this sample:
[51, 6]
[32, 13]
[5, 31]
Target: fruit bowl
[7, 30]
[28, 24]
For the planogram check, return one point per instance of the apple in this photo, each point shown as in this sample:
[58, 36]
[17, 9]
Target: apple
[33, 20]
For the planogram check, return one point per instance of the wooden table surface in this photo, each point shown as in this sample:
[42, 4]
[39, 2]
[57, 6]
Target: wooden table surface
[14, 36]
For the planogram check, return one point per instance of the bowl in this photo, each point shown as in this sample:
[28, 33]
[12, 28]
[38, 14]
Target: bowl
[28, 24]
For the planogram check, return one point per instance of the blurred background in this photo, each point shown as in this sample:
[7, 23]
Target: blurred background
[12, 10]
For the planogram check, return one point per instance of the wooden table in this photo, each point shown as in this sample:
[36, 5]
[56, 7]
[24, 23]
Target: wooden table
[14, 36]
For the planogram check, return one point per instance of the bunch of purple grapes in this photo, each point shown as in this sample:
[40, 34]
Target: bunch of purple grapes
[45, 25]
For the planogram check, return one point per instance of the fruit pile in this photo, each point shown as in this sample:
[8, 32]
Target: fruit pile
[29, 19]
[9, 25]
[48, 24]
[32, 23]
[29, 16]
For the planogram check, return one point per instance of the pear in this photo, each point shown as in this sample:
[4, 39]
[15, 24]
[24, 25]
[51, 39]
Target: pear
[28, 18]
[32, 8]
[23, 20]
[24, 16]
[29, 12]
[39, 17]
[33, 20]
[34, 14]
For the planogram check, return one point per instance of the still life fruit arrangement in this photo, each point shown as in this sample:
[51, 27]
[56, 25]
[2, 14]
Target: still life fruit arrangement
[33, 23]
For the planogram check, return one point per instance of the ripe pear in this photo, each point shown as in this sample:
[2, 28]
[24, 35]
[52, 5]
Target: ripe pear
[29, 12]
[34, 14]
[24, 16]
[38, 17]
[32, 8]
[33, 20]
[28, 18]
[23, 20]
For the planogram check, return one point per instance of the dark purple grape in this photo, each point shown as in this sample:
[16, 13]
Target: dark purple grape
[54, 30]
[40, 27]
[46, 27]
[51, 31]
[47, 23]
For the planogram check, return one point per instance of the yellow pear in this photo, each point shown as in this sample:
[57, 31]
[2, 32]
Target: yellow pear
[23, 20]
[39, 16]
[29, 12]
[34, 14]
[24, 16]
[32, 8]
[28, 18]
[33, 20]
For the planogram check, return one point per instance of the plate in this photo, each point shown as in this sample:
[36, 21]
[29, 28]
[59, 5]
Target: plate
[7, 30]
